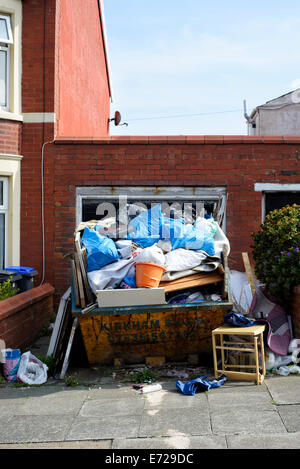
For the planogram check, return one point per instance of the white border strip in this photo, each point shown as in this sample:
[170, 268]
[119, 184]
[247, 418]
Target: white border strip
[274, 187]
[39, 117]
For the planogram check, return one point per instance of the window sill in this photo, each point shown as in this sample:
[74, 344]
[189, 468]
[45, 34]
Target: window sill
[10, 116]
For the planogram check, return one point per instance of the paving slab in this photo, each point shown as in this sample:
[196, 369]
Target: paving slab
[285, 389]
[104, 407]
[239, 386]
[170, 422]
[247, 420]
[101, 444]
[290, 415]
[236, 400]
[25, 428]
[174, 400]
[177, 442]
[54, 405]
[84, 428]
[275, 441]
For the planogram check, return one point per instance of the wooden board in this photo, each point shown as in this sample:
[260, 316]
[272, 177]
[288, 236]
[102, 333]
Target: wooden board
[59, 323]
[83, 269]
[191, 281]
[75, 283]
[249, 271]
[68, 350]
[79, 281]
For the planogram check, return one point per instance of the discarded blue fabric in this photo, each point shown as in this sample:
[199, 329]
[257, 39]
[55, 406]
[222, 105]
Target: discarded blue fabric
[100, 249]
[200, 384]
[238, 320]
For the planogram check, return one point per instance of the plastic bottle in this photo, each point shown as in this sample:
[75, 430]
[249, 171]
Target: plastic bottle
[150, 388]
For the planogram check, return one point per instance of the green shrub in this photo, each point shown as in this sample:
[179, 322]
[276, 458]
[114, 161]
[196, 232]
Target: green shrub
[7, 290]
[276, 252]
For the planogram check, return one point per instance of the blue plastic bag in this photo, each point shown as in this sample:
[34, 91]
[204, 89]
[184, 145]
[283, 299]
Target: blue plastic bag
[147, 227]
[151, 226]
[101, 250]
[188, 237]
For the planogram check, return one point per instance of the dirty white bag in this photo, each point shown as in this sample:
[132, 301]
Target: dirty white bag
[152, 255]
[31, 370]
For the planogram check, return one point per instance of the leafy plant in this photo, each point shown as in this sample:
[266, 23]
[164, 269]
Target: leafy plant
[276, 252]
[7, 290]
[144, 376]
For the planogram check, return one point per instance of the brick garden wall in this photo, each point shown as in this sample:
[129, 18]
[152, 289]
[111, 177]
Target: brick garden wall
[23, 316]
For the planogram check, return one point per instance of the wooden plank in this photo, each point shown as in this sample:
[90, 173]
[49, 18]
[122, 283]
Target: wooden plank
[191, 281]
[83, 269]
[68, 351]
[75, 284]
[249, 271]
[79, 280]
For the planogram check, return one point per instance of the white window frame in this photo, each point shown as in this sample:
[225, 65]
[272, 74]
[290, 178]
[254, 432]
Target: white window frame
[161, 194]
[267, 187]
[8, 40]
[5, 44]
[4, 210]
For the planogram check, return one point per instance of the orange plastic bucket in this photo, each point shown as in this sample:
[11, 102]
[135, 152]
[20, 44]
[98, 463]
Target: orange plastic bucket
[148, 275]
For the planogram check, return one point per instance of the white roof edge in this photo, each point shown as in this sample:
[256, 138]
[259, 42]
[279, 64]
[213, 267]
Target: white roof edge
[104, 36]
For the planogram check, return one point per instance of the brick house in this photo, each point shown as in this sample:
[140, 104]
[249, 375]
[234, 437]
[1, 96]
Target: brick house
[54, 122]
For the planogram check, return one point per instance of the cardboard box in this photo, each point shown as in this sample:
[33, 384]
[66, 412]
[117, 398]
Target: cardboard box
[131, 297]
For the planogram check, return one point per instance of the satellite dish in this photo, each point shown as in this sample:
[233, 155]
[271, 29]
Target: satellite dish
[117, 118]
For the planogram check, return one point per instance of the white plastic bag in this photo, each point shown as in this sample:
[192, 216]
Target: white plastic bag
[31, 370]
[152, 255]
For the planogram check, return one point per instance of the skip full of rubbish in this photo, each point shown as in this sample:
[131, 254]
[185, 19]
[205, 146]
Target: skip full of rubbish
[23, 368]
[157, 252]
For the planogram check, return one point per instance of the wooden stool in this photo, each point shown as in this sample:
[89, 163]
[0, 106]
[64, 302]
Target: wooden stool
[256, 342]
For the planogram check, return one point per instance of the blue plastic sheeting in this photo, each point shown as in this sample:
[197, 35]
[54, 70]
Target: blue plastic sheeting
[151, 226]
[199, 385]
[100, 250]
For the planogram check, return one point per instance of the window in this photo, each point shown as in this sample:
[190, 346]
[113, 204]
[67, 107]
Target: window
[6, 40]
[3, 221]
[93, 203]
[276, 196]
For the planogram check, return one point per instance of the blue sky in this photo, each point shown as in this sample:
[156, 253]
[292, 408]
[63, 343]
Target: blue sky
[198, 60]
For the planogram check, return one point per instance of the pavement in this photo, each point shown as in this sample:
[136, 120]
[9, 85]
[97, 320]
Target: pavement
[103, 412]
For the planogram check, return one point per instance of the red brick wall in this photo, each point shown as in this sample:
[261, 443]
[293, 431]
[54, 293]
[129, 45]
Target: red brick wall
[23, 316]
[38, 55]
[34, 135]
[10, 137]
[186, 161]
